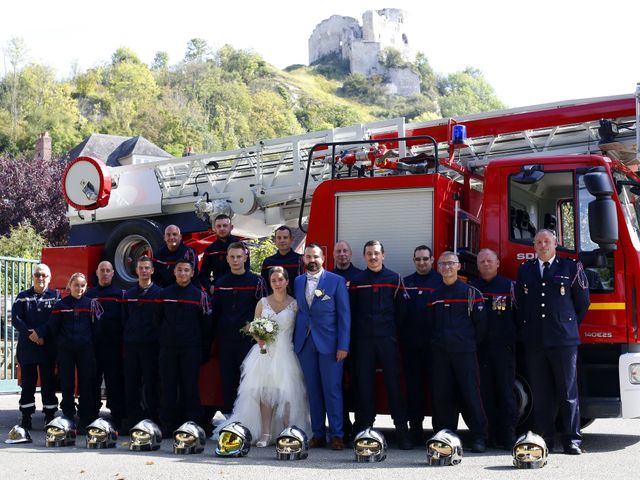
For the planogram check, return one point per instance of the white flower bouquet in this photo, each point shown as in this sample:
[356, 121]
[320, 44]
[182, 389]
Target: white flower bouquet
[264, 329]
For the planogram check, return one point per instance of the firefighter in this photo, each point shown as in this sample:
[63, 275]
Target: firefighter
[140, 336]
[108, 347]
[496, 353]
[285, 257]
[342, 261]
[416, 352]
[457, 321]
[184, 322]
[36, 349]
[342, 254]
[164, 261]
[553, 297]
[377, 304]
[214, 260]
[235, 296]
[74, 323]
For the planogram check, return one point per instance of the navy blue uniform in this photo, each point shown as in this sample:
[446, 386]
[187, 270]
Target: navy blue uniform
[164, 262]
[214, 261]
[457, 322]
[550, 309]
[415, 344]
[291, 262]
[377, 304]
[73, 321]
[349, 395]
[234, 305]
[31, 311]
[140, 335]
[184, 320]
[497, 359]
[108, 350]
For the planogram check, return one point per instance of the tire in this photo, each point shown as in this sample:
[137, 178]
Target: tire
[522, 390]
[129, 241]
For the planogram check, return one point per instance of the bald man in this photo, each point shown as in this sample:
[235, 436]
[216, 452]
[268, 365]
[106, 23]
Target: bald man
[164, 261]
[108, 346]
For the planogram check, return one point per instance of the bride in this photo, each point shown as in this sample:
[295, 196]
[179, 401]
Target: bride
[272, 395]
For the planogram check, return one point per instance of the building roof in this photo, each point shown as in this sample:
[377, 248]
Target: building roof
[111, 148]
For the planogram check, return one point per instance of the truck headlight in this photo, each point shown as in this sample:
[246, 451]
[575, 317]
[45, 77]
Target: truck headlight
[634, 373]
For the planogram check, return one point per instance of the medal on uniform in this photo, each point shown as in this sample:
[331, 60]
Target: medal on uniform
[494, 303]
[562, 291]
[526, 290]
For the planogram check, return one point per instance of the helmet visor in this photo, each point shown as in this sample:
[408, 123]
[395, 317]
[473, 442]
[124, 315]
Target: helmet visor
[288, 445]
[367, 447]
[438, 450]
[528, 452]
[141, 438]
[229, 443]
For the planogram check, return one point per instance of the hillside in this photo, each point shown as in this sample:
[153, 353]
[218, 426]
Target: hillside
[212, 100]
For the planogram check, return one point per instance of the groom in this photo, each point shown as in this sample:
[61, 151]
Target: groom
[321, 341]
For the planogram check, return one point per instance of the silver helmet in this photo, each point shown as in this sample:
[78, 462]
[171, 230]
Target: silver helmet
[292, 444]
[145, 436]
[189, 438]
[234, 440]
[101, 434]
[370, 446]
[444, 448]
[530, 451]
[18, 434]
[60, 432]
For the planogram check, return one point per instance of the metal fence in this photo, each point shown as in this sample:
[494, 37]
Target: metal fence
[15, 276]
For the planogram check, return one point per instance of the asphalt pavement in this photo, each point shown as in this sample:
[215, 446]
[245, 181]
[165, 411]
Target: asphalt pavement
[612, 452]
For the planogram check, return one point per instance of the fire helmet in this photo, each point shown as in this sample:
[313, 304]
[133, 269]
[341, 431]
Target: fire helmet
[145, 436]
[101, 434]
[189, 438]
[292, 444]
[444, 448]
[18, 434]
[60, 432]
[370, 446]
[530, 451]
[234, 440]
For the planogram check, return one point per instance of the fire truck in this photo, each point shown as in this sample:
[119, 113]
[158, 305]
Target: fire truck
[483, 180]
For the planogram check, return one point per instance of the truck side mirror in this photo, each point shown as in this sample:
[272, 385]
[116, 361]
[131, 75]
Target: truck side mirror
[603, 218]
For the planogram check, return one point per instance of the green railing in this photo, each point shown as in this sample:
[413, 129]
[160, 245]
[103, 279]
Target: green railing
[15, 276]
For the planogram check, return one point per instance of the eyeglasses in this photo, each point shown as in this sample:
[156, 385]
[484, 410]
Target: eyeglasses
[40, 275]
[447, 264]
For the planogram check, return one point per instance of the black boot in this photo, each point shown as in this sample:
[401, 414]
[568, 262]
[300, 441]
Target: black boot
[48, 417]
[26, 422]
[402, 434]
[417, 434]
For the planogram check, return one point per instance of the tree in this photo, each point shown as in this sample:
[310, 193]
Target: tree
[466, 92]
[391, 58]
[16, 50]
[270, 117]
[124, 54]
[245, 65]
[260, 249]
[22, 241]
[160, 61]
[31, 190]
[198, 51]
[428, 78]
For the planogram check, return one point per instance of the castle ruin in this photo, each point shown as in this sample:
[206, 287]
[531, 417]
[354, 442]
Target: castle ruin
[361, 46]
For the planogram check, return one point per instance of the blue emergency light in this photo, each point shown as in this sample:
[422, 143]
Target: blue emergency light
[459, 135]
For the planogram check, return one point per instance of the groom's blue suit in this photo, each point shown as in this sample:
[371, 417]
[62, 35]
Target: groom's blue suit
[322, 329]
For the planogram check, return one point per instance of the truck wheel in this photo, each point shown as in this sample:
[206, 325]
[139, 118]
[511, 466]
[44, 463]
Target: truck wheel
[128, 242]
[524, 402]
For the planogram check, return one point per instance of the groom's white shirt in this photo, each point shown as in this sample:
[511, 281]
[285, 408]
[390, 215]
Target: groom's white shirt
[312, 284]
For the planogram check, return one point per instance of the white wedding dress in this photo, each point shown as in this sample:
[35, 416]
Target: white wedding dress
[275, 378]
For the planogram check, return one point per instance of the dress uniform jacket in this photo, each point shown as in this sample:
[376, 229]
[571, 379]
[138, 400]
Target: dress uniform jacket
[164, 262]
[214, 261]
[550, 310]
[31, 311]
[499, 297]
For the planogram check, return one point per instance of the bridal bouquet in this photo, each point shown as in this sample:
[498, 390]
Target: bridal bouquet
[262, 328]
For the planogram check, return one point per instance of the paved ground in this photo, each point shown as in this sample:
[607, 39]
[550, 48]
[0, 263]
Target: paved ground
[613, 453]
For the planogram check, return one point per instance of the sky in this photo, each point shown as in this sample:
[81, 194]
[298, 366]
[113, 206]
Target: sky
[530, 52]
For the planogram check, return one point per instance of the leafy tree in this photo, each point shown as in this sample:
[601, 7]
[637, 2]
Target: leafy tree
[271, 117]
[160, 61]
[241, 64]
[260, 249]
[22, 241]
[16, 50]
[198, 51]
[391, 58]
[466, 92]
[124, 54]
[30, 190]
[428, 78]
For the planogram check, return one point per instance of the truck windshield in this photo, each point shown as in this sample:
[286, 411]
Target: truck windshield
[630, 203]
